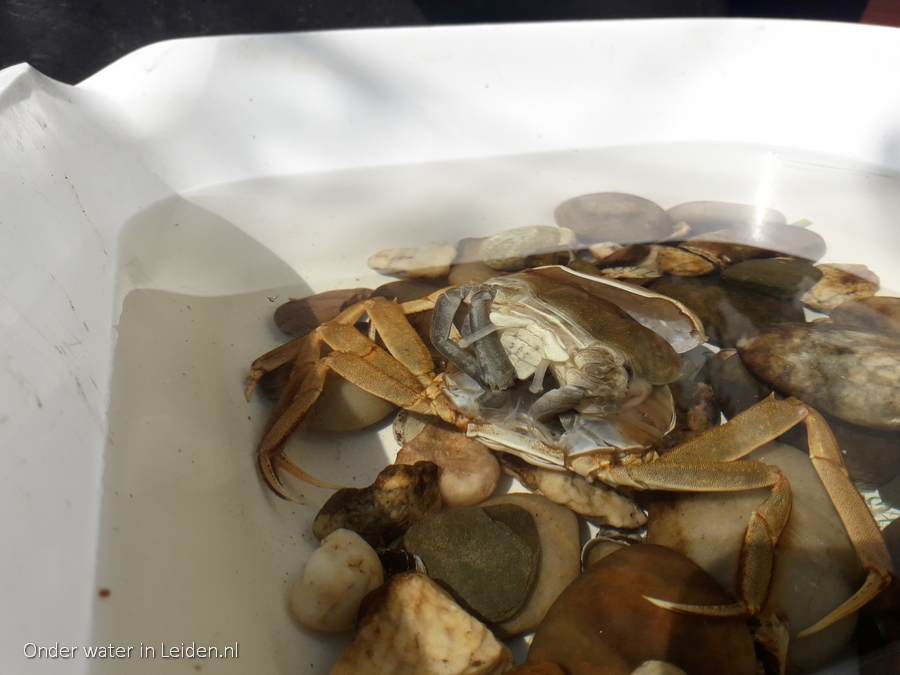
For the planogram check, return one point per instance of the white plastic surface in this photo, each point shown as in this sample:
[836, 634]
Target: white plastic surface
[192, 180]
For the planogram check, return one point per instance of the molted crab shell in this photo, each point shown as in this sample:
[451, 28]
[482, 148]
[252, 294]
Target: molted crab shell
[580, 362]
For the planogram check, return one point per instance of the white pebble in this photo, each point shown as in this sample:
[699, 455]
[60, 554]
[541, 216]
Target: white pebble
[338, 575]
[426, 262]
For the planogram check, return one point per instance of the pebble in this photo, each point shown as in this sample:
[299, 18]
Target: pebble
[429, 262]
[727, 311]
[614, 217]
[879, 313]
[602, 622]
[767, 239]
[509, 250]
[850, 373]
[708, 216]
[487, 558]
[879, 637]
[838, 284]
[337, 576]
[680, 262]
[411, 626]
[469, 471]
[784, 278]
[383, 511]
[560, 561]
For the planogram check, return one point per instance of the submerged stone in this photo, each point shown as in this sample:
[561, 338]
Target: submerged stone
[487, 558]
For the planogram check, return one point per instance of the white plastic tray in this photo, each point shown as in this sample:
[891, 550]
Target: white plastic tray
[193, 180]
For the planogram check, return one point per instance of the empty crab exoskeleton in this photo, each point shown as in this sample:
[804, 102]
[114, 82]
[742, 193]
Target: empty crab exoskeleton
[404, 374]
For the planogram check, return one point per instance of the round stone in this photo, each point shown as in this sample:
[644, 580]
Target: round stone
[486, 558]
[603, 623]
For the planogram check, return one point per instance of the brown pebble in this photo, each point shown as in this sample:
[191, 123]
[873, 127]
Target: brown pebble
[602, 624]
[383, 511]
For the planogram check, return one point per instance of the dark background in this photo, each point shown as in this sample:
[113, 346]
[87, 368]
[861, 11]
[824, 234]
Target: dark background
[72, 39]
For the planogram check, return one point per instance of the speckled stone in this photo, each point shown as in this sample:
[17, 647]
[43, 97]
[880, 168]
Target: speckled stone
[487, 558]
[383, 511]
[850, 373]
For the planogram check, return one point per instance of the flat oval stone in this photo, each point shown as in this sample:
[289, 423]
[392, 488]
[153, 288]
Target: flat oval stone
[847, 372]
[486, 558]
[770, 239]
[614, 217]
[560, 562]
[509, 250]
[780, 277]
[708, 216]
[603, 624]
[727, 311]
[881, 313]
[428, 262]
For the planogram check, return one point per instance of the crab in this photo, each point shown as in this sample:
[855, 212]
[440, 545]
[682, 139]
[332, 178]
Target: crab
[607, 361]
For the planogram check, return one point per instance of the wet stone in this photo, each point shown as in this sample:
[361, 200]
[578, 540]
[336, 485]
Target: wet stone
[780, 277]
[708, 216]
[846, 372]
[734, 388]
[510, 250]
[560, 562]
[879, 634]
[727, 311]
[769, 239]
[682, 263]
[429, 262]
[380, 513]
[301, 316]
[603, 625]
[396, 561]
[840, 283]
[614, 217]
[876, 313]
[487, 558]
[872, 456]
[723, 254]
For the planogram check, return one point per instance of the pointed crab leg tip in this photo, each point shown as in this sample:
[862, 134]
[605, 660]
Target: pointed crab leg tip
[249, 388]
[283, 462]
[722, 611]
[875, 582]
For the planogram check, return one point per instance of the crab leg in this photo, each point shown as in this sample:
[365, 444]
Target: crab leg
[706, 463]
[396, 375]
[862, 528]
[766, 523]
